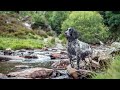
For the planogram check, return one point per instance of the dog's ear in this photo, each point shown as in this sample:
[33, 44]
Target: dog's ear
[75, 34]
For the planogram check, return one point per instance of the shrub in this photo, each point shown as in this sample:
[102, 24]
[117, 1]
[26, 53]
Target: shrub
[89, 24]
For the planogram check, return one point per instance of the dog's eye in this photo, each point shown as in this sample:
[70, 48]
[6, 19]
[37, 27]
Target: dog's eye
[70, 29]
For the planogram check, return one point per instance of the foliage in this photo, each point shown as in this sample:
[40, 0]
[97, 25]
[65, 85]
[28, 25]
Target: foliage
[89, 24]
[112, 20]
[17, 43]
[56, 19]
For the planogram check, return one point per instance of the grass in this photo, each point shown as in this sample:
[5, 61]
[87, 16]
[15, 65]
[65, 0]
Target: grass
[16, 43]
[113, 72]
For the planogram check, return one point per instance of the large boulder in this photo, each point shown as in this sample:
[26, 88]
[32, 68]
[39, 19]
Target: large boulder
[32, 73]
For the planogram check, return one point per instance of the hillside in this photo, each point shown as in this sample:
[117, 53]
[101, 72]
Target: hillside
[11, 25]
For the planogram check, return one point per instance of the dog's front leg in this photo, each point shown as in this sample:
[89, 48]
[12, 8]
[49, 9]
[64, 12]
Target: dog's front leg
[78, 62]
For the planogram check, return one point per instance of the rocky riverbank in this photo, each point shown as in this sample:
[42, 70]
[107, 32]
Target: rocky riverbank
[53, 63]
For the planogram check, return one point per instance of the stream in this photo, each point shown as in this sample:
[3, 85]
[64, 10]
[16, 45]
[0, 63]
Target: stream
[33, 58]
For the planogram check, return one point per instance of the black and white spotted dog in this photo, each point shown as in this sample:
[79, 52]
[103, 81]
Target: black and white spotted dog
[76, 49]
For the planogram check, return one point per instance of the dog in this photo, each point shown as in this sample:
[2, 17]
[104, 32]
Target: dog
[77, 50]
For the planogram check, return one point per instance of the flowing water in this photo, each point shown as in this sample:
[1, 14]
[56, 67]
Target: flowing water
[44, 60]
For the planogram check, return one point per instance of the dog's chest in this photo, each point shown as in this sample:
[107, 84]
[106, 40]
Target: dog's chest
[72, 48]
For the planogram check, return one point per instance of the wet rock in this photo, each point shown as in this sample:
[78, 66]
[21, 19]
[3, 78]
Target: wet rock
[63, 52]
[2, 76]
[32, 73]
[59, 55]
[31, 57]
[8, 51]
[55, 56]
[63, 56]
[62, 64]
[7, 57]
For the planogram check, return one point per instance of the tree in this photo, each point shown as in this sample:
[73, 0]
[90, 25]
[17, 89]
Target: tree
[112, 20]
[89, 24]
[56, 19]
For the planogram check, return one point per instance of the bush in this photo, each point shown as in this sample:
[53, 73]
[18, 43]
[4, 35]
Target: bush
[51, 33]
[89, 24]
[41, 33]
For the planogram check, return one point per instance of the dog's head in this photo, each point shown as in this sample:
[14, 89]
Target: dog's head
[71, 34]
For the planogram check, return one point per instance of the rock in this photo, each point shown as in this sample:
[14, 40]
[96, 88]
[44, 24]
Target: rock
[78, 74]
[63, 52]
[7, 57]
[116, 45]
[27, 25]
[31, 57]
[62, 64]
[32, 73]
[8, 51]
[72, 72]
[100, 55]
[63, 56]
[58, 55]
[62, 72]
[55, 56]
[2, 76]
[59, 46]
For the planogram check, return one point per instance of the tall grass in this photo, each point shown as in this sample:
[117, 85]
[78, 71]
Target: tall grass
[113, 72]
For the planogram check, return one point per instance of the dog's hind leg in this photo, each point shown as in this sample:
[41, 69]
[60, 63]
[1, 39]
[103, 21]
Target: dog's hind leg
[71, 63]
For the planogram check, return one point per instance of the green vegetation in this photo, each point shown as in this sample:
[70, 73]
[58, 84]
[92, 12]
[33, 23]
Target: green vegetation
[17, 43]
[112, 20]
[89, 24]
[113, 71]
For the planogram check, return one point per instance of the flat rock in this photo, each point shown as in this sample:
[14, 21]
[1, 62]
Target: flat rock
[32, 73]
